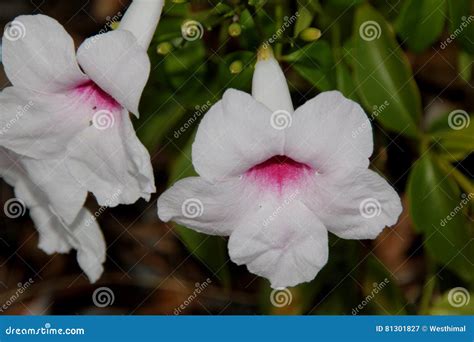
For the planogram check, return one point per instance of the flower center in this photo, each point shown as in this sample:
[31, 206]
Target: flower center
[278, 172]
[98, 99]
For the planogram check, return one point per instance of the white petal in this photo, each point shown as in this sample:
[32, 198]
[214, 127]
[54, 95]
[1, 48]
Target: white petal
[141, 19]
[40, 125]
[118, 65]
[205, 207]
[330, 133]
[65, 195]
[111, 162]
[234, 135]
[282, 241]
[269, 85]
[38, 54]
[359, 206]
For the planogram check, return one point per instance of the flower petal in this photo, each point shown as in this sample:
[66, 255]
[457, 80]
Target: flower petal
[65, 195]
[330, 133]
[234, 135]
[282, 241]
[39, 125]
[111, 162]
[355, 207]
[118, 65]
[205, 207]
[38, 54]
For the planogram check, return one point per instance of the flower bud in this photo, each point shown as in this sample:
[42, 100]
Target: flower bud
[164, 48]
[236, 67]
[310, 34]
[235, 30]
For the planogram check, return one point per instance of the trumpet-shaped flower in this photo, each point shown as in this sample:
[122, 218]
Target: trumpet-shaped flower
[66, 118]
[276, 180]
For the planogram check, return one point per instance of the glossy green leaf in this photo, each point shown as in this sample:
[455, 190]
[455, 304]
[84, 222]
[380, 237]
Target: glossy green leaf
[438, 212]
[382, 73]
[211, 251]
[314, 62]
[421, 22]
[461, 24]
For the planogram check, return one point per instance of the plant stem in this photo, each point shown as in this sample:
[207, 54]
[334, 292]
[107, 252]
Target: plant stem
[428, 288]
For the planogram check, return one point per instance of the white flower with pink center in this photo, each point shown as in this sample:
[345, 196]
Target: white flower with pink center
[75, 134]
[278, 191]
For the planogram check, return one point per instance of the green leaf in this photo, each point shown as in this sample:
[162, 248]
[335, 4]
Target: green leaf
[463, 303]
[421, 22]
[345, 82]
[211, 251]
[465, 65]
[382, 73]
[461, 24]
[437, 209]
[304, 19]
[314, 62]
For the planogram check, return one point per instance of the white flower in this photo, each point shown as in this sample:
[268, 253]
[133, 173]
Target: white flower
[277, 192]
[55, 235]
[66, 122]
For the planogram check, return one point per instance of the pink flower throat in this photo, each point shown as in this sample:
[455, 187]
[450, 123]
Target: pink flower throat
[278, 172]
[98, 98]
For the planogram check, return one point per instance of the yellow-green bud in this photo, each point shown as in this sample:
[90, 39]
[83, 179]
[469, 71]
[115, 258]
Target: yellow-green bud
[235, 29]
[236, 67]
[164, 48]
[310, 34]
[179, 1]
